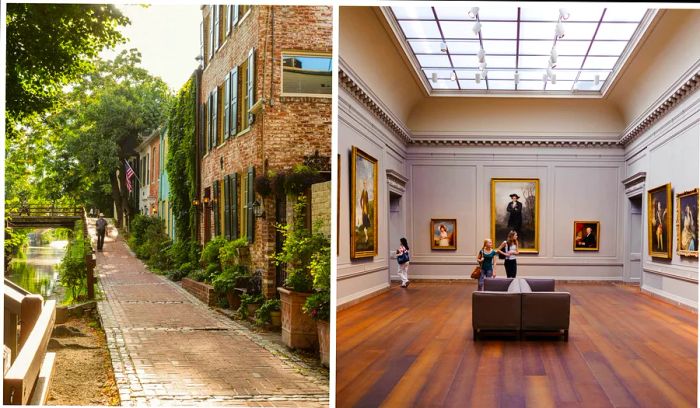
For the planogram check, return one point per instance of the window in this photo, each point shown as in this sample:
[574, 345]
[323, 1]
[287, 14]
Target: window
[219, 114]
[225, 19]
[210, 49]
[227, 103]
[246, 90]
[233, 103]
[233, 11]
[215, 17]
[205, 127]
[306, 74]
[201, 44]
[213, 118]
[231, 206]
[243, 10]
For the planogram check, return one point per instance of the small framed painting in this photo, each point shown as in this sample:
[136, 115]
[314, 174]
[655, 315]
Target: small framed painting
[586, 235]
[659, 203]
[687, 220]
[443, 233]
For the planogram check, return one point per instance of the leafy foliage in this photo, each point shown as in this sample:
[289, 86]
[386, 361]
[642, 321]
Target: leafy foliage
[149, 242]
[48, 47]
[73, 268]
[263, 314]
[211, 253]
[248, 299]
[318, 306]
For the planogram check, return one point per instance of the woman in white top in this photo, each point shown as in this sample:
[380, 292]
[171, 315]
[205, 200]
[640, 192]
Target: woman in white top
[509, 249]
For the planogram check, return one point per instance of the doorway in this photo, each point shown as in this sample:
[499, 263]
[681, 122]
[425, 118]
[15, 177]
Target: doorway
[396, 231]
[635, 238]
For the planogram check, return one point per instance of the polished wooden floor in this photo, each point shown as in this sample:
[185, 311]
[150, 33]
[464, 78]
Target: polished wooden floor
[414, 347]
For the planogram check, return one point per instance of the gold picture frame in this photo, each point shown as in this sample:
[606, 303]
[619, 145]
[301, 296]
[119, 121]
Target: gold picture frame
[363, 205]
[443, 233]
[503, 219]
[583, 240]
[659, 227]
[687, 222]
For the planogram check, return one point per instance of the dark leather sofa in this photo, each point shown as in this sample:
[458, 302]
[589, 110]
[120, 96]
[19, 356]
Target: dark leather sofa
[520, 306]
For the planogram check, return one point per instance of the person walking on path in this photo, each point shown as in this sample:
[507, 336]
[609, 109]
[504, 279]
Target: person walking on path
[509, 249]
[101, 227]
[403, 260]
[486, 260]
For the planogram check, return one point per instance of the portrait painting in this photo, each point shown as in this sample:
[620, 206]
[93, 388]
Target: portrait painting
[586, 235]
[443, 233]
[687, 220]
[515, 207]
[363, 196]
[659, 221]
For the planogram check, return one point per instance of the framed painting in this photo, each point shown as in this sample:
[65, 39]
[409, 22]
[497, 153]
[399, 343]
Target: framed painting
[659, 221]
[443, 233]
[363, 197]
[586, 235]
[515, 206]
[687, 220]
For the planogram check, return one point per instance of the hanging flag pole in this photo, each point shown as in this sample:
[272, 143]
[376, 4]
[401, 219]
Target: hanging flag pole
[130, 173]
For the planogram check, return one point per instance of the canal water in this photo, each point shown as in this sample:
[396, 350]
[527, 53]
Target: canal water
[37, 271]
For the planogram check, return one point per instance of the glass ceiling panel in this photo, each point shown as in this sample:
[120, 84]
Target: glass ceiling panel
[616, 31]
[458, 29]
[607, 47]
[499, 47]
[519, 39]
[420, 29]
[413, 13]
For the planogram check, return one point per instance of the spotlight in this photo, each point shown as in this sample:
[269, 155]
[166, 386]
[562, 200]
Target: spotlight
[553, 56]
[477, 78]
[473, 12]
[434, 77]
[596, 79]
[549, 72]
[443, 47]
[559, 30]
[554, 78]
[516, 77]
[481, 55]
[564, 14]
[453, 76]
[477, 28]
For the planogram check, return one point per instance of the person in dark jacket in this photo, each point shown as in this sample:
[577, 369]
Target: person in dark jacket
[515, 213]
[101, 227]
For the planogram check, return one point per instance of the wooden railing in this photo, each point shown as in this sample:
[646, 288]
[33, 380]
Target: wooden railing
[32, 210]
[28, 377]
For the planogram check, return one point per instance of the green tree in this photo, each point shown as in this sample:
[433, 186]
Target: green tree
[48, 47]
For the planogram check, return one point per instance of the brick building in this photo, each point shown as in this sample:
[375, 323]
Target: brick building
[264, 96]
[148, 171]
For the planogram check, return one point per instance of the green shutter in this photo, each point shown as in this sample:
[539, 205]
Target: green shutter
[215, 207]
[234, 205]
[233, 105]
[227, 207]
[211, 120]
[215, 120]
[226, 106]
[251, 197]
[251, 84]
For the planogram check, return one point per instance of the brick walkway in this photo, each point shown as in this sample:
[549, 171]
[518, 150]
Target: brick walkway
[168, 348]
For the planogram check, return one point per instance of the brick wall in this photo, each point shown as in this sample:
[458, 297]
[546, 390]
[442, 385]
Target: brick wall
[288, 128]
[321, 205]
[201, 291]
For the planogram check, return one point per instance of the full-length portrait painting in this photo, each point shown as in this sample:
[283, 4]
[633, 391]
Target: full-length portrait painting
[586, 235]
[659, 221]
[515, 207]
[443, 233]
[687, 220]
[363, 180]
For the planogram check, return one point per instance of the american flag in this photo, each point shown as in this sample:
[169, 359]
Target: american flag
[129, 174]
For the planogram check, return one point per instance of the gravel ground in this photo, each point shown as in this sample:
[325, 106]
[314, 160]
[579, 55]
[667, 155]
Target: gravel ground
[83, 373]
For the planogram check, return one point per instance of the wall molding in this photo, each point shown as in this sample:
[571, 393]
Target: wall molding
[541, 142]
[677, 93]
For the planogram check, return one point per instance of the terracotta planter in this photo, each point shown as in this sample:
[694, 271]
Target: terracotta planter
[298, 328]
[276, 318]
[234, 300]
[324, 341]
[252, 308]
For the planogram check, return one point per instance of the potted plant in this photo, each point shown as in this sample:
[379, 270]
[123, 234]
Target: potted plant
[318, 305]
[269, 312]
[226, 283]
[249, 304]
[298, 329]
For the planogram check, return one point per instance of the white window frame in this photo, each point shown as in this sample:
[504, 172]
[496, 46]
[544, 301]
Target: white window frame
[289, 53]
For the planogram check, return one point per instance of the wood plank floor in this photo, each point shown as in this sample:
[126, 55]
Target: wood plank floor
[414, 347]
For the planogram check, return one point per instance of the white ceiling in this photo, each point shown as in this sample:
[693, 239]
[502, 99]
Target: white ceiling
[443, 44]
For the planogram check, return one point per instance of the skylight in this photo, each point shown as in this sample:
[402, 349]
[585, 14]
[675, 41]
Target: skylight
[504, 49]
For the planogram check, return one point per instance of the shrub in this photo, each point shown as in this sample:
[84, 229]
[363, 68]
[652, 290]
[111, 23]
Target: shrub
[262, 315]
[301, 178]
[226, 281]
[176, 275]
[229, 252]
[248, 299]
[210, 253]
[199, 275]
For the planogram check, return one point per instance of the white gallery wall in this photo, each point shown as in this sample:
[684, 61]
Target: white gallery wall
[576, 184]
[668, 152]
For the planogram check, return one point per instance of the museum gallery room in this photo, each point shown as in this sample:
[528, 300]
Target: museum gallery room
[567, 137]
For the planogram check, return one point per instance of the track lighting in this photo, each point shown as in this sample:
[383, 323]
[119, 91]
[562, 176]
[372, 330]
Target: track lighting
[473, 12]
[477, 78]
[596, 79]
[453, 76]
[477, 28]
[443, 47]
[553, 77]
[516, 77]
[559, 30]
[564, 14]
[434, 77]
[553, 56]
[482, 66]
[481, 55]
[549, 72]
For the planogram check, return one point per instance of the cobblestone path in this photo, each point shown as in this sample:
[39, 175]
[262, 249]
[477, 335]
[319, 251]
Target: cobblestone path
[168, 348]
